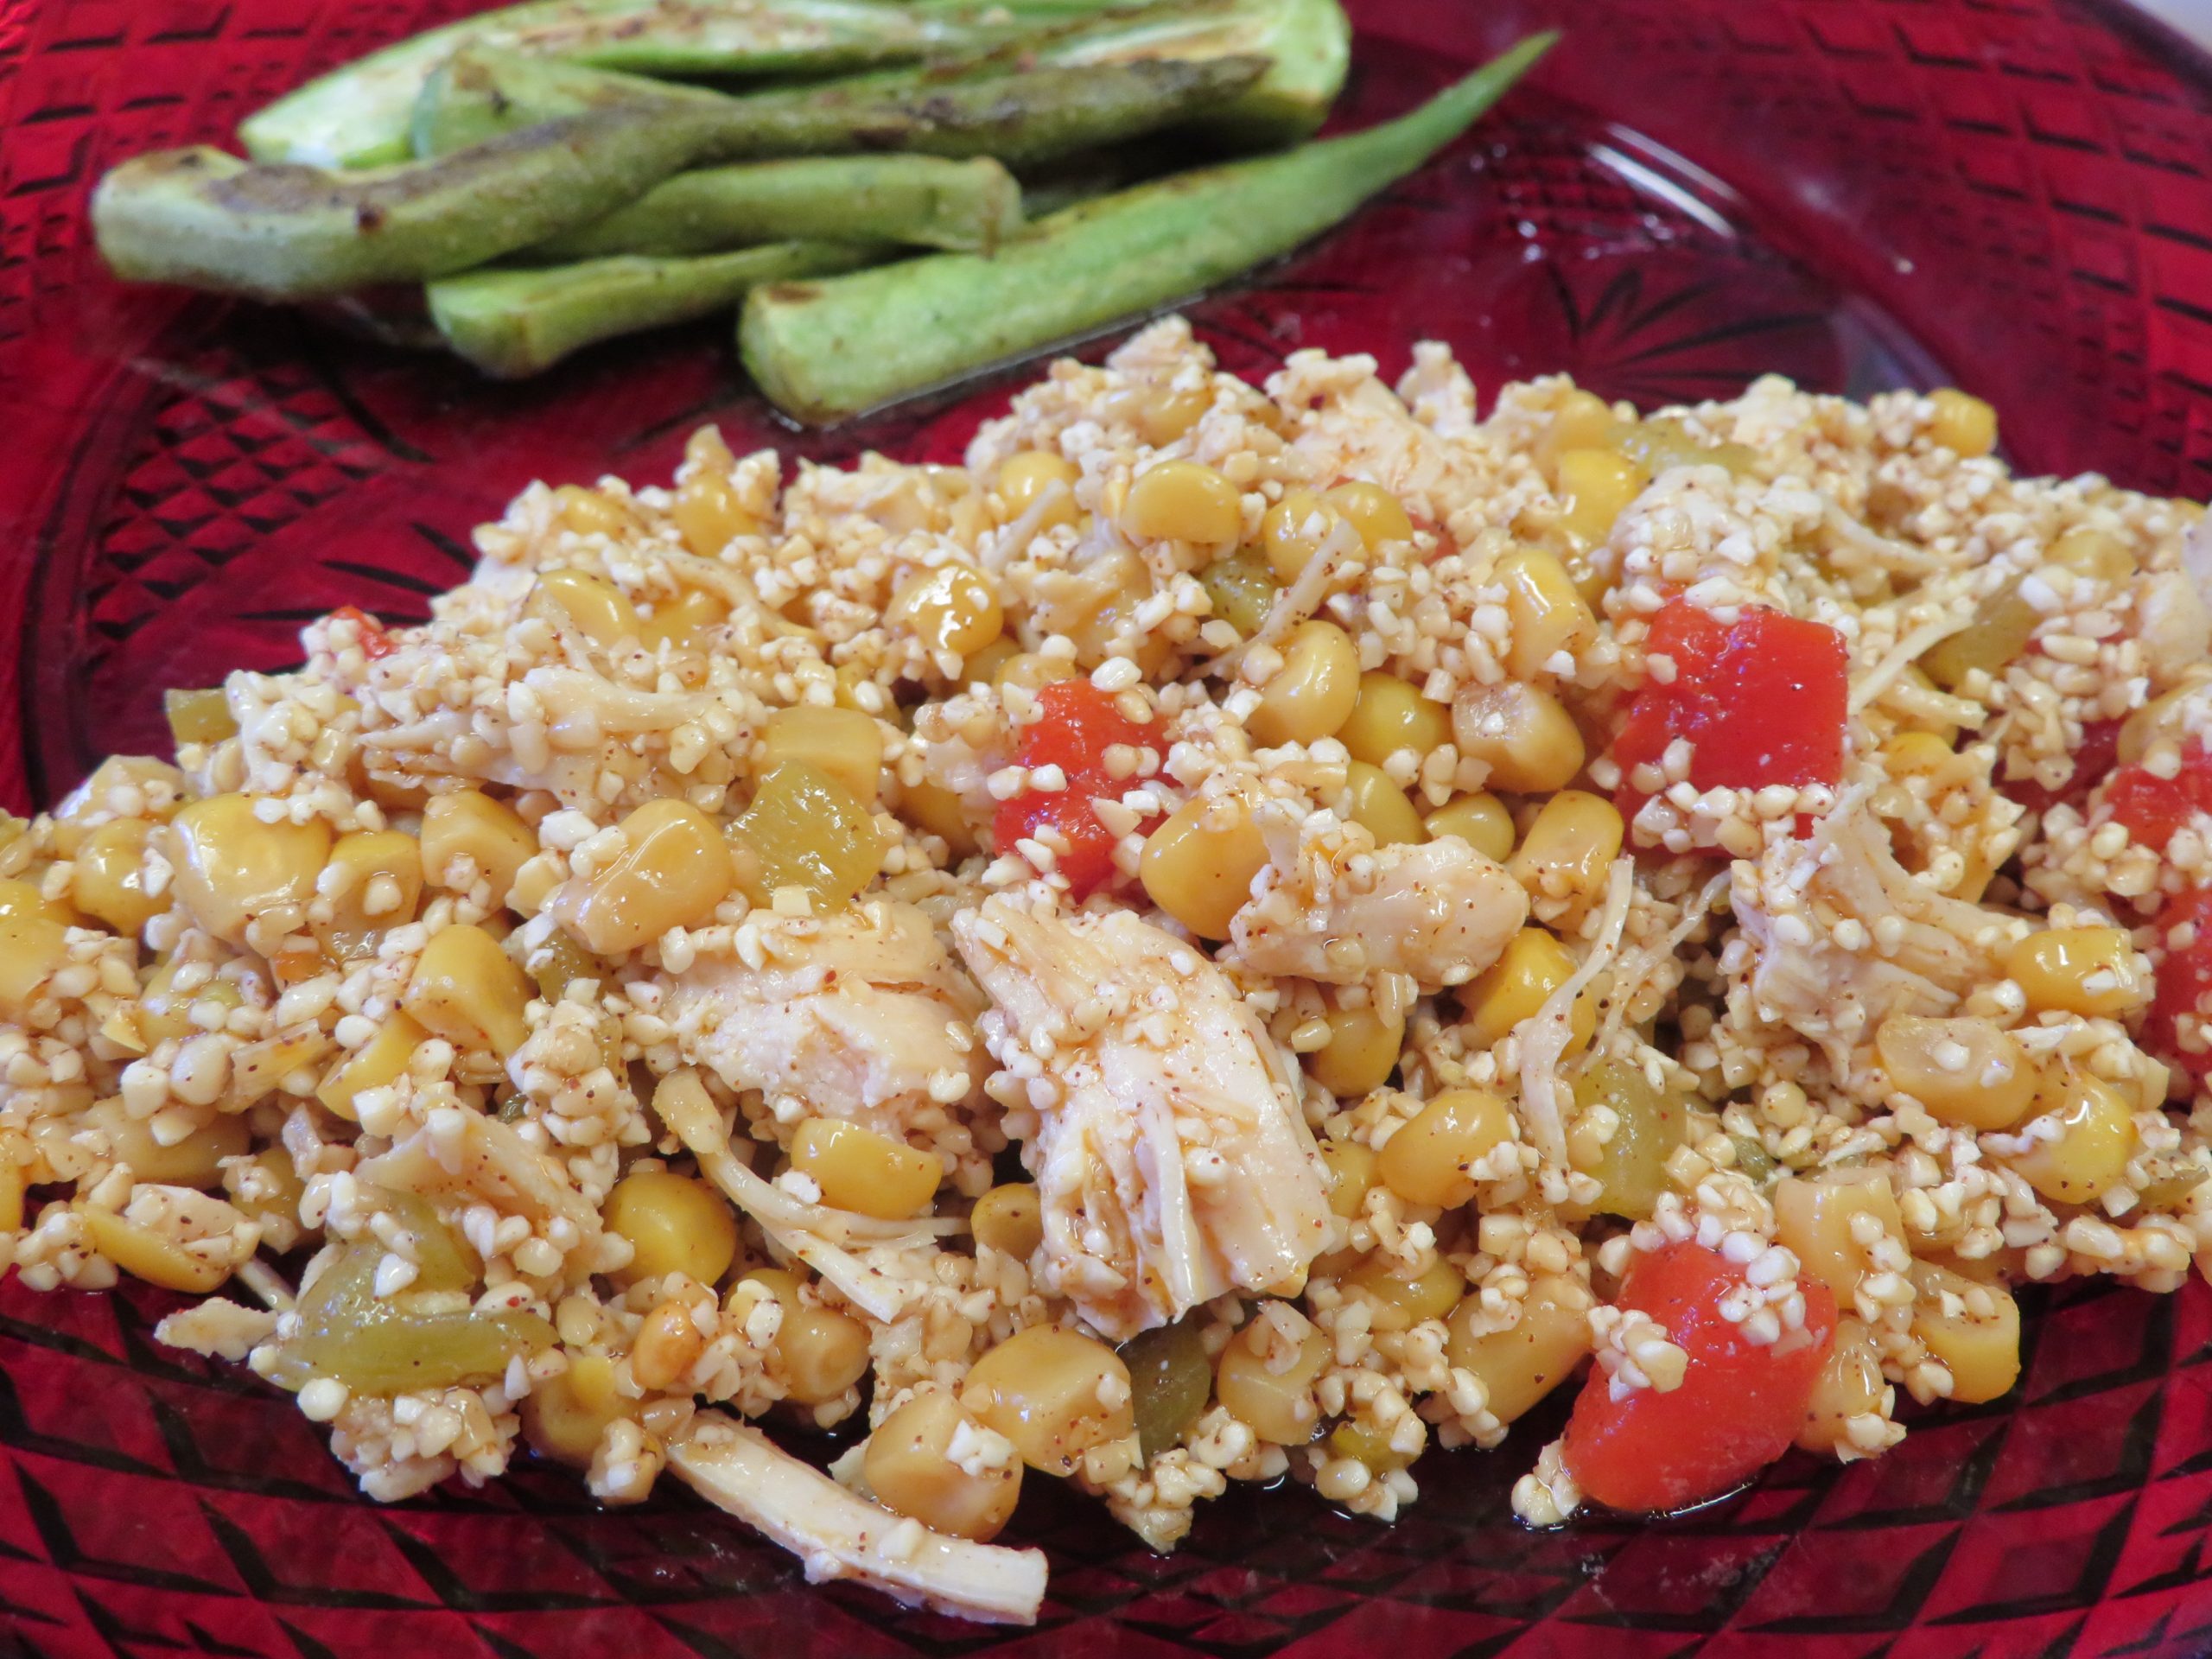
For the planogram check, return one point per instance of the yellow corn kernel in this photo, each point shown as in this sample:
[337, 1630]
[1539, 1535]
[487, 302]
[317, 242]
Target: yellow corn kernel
[1427, 1160]
[200, 716]
[1389, 715]
[144, 1254]
[1513, 988]
[1047, 1390]
[1850, 1385]
[1164, 413]
[1399, 1303]
[1241, 590]
[2090, 970]
[1966, 1071]
[982, 667]
[1293, 531]
[378, 1064]
[1312, 694]
[1033, 475]
[588, 513]
[938, 811]
[2002, 626]
[1522, 733]
[565, 1417]
[1199, 864]
[1361, 1053]
[374, 881]
[843, 742]
[819, 1351]
[108, 878]
[1922, 754]
[1582, 421]
[709, 515]
[673, 870]
[1569, 848]
[1277, 1405]
[806, 830]
[196, 1160]
[2096, 553]
[1032, 670]
[951, 608]
[20, 898]
[1010, 1219]
[1352, 1175]
[2079, 1149]
[1630, 1166]
[467, 990]
[232, 868]
[674, 1224]
[910, 1469]
[667, 1345]
[859, 1169]
[1961, 423]
[1814, 1216]
[490, 834]
[1381, 808]
[1518, 1367]
[681, 621]
[1480, 820]
[259, 1068]
[1547, 611]
[1973, 1329]
[1373, 512]
[1598, 486]
[591, 605]
[1183, 501]
[1662, 442]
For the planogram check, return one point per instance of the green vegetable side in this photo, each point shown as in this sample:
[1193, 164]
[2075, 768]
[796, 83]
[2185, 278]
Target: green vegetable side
[553, 175]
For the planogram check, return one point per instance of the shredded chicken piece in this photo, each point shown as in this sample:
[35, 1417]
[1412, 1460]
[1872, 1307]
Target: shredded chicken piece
[217, 1326]
[877, 1264]
[863, 1015]
[1335, 907]
[468, 1152]
[839, 1536]
[1171, 1158]
[1545, 1037]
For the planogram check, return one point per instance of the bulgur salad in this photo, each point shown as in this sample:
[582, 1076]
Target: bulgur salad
[1240, 933]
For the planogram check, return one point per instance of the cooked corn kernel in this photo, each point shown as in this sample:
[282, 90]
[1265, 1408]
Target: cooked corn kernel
[1031, 476]
[1033, 671]
[1009, 1219]
[1974, 1329]
[674, 1224]
[1199, 864]
[1813, 1217]
[108, 878]
[1582, 421]
[1056, 1394]
[1512, 988]
[1277, 1405]
[202, 716]
[2079, 1149]
[1598, 486]
[859, 1169]
[566, 1416]
[468, 990]
[938, 811]
[196, 1160]
[819, 1351]
[32, 951]
[2090, 970]
[1480, 820]
[1164, 413]
[1352, 1175]
[1547, 611]
[1427, 1160]
[806, 830]
[1850, 1385]
[683, 620]
[1361, 1053]
[1376, 514]
[591, 605]
[1398, 1302]
[1241, 590]
[910, 1468]
[1312, 694]
[843, 742]
[1522, 733]
[1961, 423]
[674, 869]
[588, 513]
[1520, 1366]
[1381, 808]
[1631, 1167]
[1569, 848]
[144, 1254]
[232, 868]
[2095, 554]
[707, 511]
[1389, 715]
[1293, 531]
[666, 1347]
[1965, 1070]
[490, 833]
[373, 1066]
[951, 608]
[20, 898]
[374, 881]
[1182, 502]
[982, 667]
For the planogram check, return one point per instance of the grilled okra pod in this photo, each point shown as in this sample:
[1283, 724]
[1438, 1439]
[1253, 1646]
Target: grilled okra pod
[822, 350]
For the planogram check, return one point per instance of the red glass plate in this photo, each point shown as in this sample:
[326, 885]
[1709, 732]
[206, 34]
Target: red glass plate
[2008, 194]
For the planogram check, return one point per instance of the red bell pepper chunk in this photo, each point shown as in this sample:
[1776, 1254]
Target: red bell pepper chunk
[2093, 760]
[375, 642]
[2185, 985]
[1737, 1408]
[1077, 725]
[1761, 700]
[2153, 807]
